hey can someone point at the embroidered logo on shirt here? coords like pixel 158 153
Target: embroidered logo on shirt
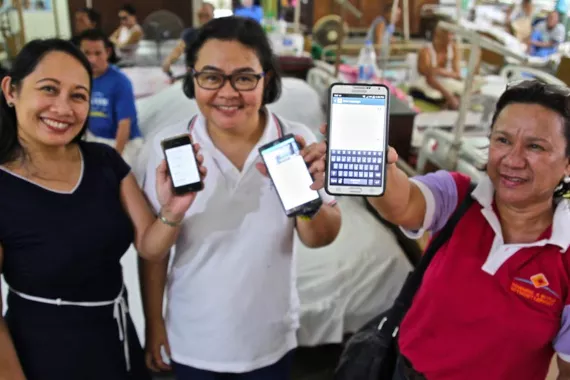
pixel 540 293
pixel 539 281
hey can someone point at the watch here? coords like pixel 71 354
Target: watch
pixel 308 214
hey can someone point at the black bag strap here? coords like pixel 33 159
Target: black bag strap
pixel 403 302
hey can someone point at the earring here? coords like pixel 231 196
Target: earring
pixel 10 104
pixel 566 179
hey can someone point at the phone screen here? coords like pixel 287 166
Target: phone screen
pixel 357 140
pixel 290 174
pixel 182 165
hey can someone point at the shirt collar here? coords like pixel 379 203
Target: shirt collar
pixel 271 132
pixel 484 194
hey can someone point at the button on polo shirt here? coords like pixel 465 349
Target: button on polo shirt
pixel 232 300
pixel 487 309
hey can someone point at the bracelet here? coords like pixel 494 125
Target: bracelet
pixel 168 222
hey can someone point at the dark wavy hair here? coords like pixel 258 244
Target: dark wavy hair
pixel 553 97
pixel 249 33
pixel 99 35
pixel 24 64
pixel 92 15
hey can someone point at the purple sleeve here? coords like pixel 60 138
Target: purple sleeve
pixel 562 340
pixel 441 198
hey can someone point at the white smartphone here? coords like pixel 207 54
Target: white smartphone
pixel 357 139
pixel 182 164
pixel 290 176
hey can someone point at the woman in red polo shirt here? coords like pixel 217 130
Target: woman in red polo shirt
pixel 495 301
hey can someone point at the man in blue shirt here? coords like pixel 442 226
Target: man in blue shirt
pixel 547 36
pixel 248 9
pixel 113 116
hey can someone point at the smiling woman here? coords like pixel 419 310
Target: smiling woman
pixel 70 210
pixel 505 269
pixel 233 280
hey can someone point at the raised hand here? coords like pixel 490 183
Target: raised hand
pixel 175 206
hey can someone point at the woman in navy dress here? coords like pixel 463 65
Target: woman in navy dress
pixel 68 212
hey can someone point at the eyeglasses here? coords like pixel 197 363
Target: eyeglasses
pixel 211 80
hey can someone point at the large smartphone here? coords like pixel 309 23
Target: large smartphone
pixel 290 176
pixel 182 164
pixel 357 136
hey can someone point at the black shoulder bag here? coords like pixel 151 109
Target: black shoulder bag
pixel 372 352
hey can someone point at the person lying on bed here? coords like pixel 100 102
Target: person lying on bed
pixel 232 299
pixel 438 65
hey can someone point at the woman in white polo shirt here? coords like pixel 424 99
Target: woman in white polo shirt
pixel 232 302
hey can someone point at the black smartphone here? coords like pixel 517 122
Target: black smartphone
pixel 358 118
pixel 290 176
pixel 182 164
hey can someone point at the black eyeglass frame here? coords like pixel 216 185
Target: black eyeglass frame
pixel 227 77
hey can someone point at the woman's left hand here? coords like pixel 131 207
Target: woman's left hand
pixel 314 156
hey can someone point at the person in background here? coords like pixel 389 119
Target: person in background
pixel 70 210
pixel 547 36
pixel 438 64
pixel 232 301
pixel 382 30
pixel 518 11
pixel 205 14
pixel 88 18
pixel 494 302
pixel 128 35
pixel 519 20
pixel 113 116
pixel 561 7
pixel 250 10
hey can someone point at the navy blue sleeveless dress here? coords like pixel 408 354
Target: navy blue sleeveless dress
pixel 67 246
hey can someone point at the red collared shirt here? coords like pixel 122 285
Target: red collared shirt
pixel 487 309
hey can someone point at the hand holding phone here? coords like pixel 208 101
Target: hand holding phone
pixel 290 175
pixel 314 156
pixel 357 137
pixel 179 176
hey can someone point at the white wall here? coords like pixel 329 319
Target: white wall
pixel 42 24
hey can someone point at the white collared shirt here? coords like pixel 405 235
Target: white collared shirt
pixel 232 300
pixel 441 194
